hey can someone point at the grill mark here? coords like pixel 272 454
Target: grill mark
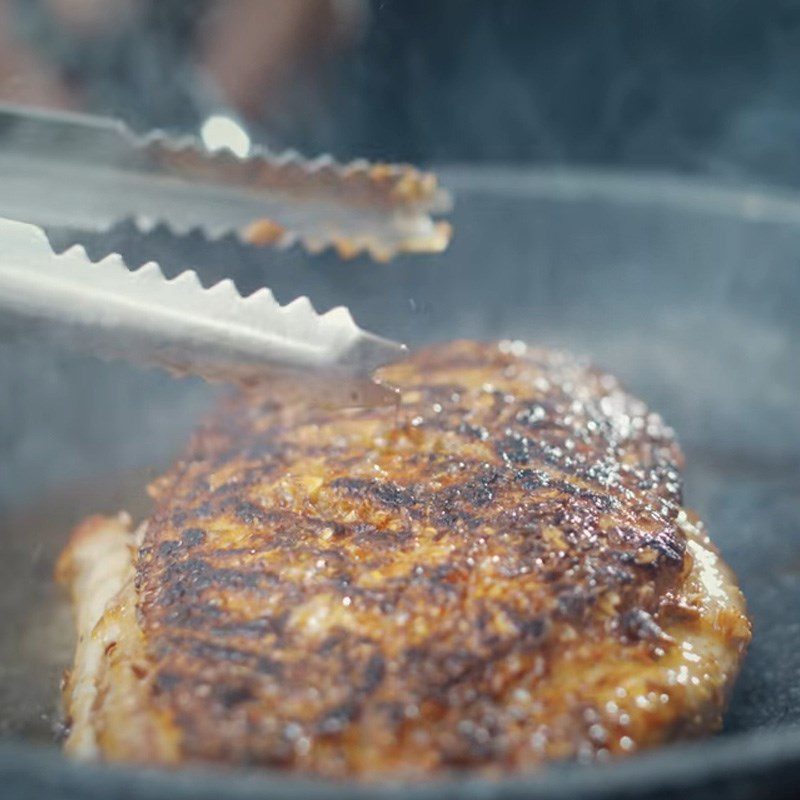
pixel 186 581
pixel 235 695
pixel 254 628
pixel 195 616
pixel 191 537
pixel 374 673
pixel 388 494
pixel 223 654
pixel 246 512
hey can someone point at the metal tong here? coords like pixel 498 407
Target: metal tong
pixel 111 311
pixel 88 173
pixel 53 176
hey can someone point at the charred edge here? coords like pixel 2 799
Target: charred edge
pixel 224 655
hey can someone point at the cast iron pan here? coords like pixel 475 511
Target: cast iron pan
pixel 689 292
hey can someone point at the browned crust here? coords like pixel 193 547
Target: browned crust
pixel 494 575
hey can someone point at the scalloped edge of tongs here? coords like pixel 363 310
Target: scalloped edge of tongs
pixel 379 208
pixel 108 309
pixel 71 170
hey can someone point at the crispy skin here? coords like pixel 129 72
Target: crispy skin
pixel 496 574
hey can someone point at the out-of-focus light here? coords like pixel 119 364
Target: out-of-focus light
pixel 220 132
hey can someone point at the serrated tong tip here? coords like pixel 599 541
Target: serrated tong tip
pixel 178 324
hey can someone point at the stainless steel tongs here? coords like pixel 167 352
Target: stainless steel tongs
pixel 178 324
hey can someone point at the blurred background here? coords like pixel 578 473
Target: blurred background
pixel 697 86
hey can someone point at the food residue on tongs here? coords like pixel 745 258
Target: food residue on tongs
pixel 89 173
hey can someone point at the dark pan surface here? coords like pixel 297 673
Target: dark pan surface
pixel 689 292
